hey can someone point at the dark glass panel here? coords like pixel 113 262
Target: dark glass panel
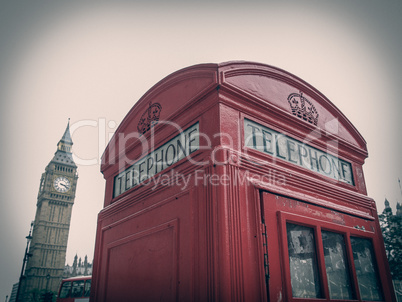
pixel 366 269
pixel 78 288
pixel 65 290
pixel 336 266
pixel 303 262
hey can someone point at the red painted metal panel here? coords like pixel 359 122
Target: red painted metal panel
pixel 142 263
pixel 195 231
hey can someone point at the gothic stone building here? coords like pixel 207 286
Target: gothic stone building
pixel 52 222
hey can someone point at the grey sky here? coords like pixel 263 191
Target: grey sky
pixel 91 61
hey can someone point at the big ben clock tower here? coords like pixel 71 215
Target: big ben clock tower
pixel 52 222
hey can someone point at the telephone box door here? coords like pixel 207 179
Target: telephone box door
pixel 312 252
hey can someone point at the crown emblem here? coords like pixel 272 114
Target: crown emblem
pixel 149 118
pixel 303 108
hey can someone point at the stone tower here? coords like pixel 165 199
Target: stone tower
pixel 52 223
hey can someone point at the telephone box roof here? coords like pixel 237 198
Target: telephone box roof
pixel 269 86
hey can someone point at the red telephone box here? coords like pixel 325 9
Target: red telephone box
pixel 237 182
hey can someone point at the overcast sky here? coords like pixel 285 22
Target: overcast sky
pixel 91 61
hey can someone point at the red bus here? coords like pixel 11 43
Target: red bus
pixel 75 289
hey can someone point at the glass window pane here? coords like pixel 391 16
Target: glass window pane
pixel 303 262
pixel 366 269
pixel 87 290
pixel 336 266
pixel 65 290
pixel 78 288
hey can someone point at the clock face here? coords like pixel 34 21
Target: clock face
pixel 61 184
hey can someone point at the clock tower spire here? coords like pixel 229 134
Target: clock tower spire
pixel 52 222
pixel 65 142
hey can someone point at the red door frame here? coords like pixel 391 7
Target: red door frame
pixel 277 210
